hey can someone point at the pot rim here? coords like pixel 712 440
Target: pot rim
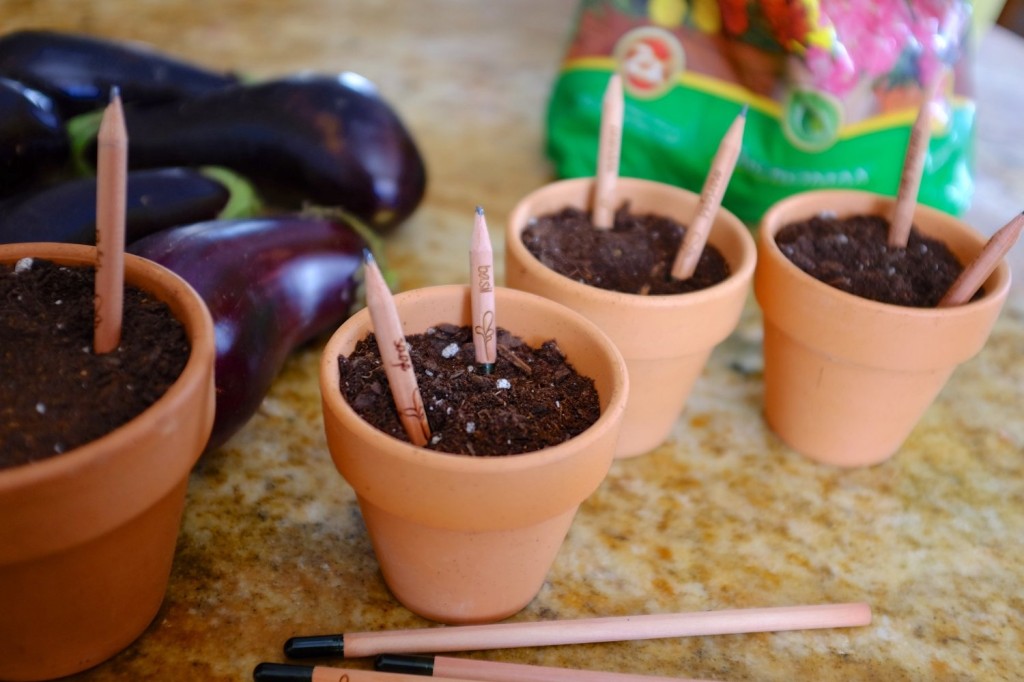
pixel 358 325
pixel 725 221
pixel 199 326
pixel 997 285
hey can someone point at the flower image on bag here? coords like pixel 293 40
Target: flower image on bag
pixel 833 87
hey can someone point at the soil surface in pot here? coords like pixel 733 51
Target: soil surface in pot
pixel 533 399
pixel 55 393
pixel 635 256
pixel 851 254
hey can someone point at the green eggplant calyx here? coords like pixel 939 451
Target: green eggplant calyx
pixel 243 199
pixel 82 130
pixel 373 240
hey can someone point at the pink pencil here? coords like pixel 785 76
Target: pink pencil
pixel 481 266
pixel 975 274
pixel 394 354
pixel 913 168
pixel 111 193
pixel 711 194
pixel 494 671
pixel 582 631
pixel 285 672
pixel 608 152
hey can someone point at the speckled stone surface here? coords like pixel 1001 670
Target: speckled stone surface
pixel 723 515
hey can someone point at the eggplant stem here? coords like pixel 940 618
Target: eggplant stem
pixel 82 130
pixel 243 199
pixel 373 240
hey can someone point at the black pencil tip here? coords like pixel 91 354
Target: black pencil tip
pixel 479 210
pixel 282 672
pixel 315 646
pixel 368 257
pixel 408 664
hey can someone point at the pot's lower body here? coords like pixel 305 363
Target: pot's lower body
pixel 457 576
pixel 72 610
pixel 659 389
pixel 837 412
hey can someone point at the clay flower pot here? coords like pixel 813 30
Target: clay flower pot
pixel 87 537
pixel 666 340
pixel 847 378
pixel 461 538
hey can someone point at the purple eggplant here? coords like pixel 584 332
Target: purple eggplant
pixel 325 140
pixel 156 200
pixel 33 143
pixel 271 284
pixel 78 71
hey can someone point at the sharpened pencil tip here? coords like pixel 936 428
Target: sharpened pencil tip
pixel 115 92
pixel 368 257
pixel 744 110
pixel 479 210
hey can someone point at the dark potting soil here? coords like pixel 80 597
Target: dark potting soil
pixel 533 399
pixel 55 393
pixel 635 256
pixel 851 254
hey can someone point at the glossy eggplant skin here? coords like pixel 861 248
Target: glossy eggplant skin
pixel 328 140
pixel 78 71
pixel 33 143
pixel 156 200
pixel 271 284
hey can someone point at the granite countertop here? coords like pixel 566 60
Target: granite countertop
pixel 722 515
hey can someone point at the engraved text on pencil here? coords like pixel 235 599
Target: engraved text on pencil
pixel 483 274
pixel 404 361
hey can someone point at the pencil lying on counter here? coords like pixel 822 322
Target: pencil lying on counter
pixel 289 672
pixel 582 631
pixel 446 667
pixel 481 671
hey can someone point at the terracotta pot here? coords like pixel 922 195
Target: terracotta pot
pixel 87 537
pixel 847 378
pixel 470 539
pixel 666 340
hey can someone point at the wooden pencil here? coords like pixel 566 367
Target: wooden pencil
pixel 913 168
pixel 111 198
pixel 608 155
pixel 394 354
pixel 974 275
pixel 710 201
pixel 481 265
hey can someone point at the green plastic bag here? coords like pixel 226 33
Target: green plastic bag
pixel 833 88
